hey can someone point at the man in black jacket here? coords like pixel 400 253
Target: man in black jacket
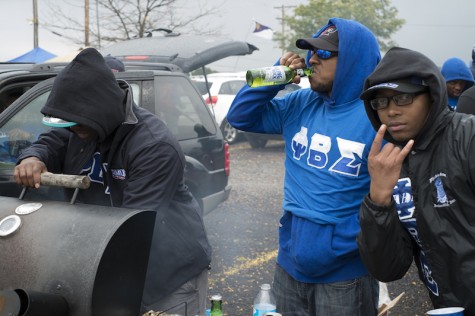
pixel 422 192
pixel 133 161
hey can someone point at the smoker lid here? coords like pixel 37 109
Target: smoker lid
pixel 9 224
pixel 28 208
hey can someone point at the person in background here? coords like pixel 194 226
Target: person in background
pixel 458 79
pixel 114 64
pixel 133 161
pixel 466 103
pixel 327 137
pixel 420 207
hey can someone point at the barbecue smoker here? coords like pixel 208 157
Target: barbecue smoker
pixel 62 259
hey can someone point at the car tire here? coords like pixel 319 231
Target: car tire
pixel 257 142
pixel 230 134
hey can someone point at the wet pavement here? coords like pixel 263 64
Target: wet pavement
pixel 243 234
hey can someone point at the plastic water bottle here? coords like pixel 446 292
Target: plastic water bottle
pixel 275 75
pixel 264 302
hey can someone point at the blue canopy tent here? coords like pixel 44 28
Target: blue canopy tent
pixel 36 55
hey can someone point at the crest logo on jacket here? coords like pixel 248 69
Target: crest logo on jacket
pixel 441 198
pixel 118 174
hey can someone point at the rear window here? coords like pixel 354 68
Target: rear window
pixel 201 85
pixel 182 108
pixel 231 87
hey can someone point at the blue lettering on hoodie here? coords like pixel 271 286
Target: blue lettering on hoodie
pixel 93 169
pixel 348 162
pixel 94 172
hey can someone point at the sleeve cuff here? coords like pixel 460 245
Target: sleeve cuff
pixel 378 208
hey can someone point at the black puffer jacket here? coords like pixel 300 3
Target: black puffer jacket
pixel 142 166
pixel 432 217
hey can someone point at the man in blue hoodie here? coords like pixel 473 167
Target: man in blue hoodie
pixel 328 136
pixel 458 78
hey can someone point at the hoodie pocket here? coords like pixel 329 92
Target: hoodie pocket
pixel 315 249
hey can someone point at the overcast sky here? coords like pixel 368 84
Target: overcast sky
pixel 438 28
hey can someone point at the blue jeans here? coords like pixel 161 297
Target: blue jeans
pixel 356 297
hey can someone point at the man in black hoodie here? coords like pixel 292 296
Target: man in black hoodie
pixel 422 193
pixel 133 161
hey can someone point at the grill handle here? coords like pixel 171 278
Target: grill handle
pixel 63 180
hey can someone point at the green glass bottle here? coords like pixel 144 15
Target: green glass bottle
pixel 269 76
pixel 216 305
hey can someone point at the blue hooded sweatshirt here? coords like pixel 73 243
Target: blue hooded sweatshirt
pixel 455 69
pixel 327 141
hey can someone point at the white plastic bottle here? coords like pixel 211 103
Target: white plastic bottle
pixel 264 302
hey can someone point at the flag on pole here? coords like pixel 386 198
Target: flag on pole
pixel 263 31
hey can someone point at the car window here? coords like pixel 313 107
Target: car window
pixel 201 85
pixel 25 126
pixel 143 93
pixel 178 105
pixel 10 94
pixel 21 130
pixel 136 92
pixel 182 109
pixel 231 87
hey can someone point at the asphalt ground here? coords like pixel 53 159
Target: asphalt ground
pixel 243 234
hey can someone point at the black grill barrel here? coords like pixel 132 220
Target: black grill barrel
pixel 92 256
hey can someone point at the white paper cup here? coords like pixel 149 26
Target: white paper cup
pixel 449 311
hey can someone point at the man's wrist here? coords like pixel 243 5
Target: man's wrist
pixel 378 206
pixel 380 196
pixel 382 201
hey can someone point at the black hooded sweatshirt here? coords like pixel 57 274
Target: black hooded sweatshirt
pixel 142 166
pixel 431 219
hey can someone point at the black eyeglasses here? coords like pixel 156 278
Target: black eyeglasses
pixel 324 54
pixel 399 99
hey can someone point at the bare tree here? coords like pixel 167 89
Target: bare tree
pixel 115 20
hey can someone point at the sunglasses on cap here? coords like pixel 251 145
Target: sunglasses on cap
pixel 323 54
pixel 399 99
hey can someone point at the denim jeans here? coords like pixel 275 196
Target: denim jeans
pixel 356 297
